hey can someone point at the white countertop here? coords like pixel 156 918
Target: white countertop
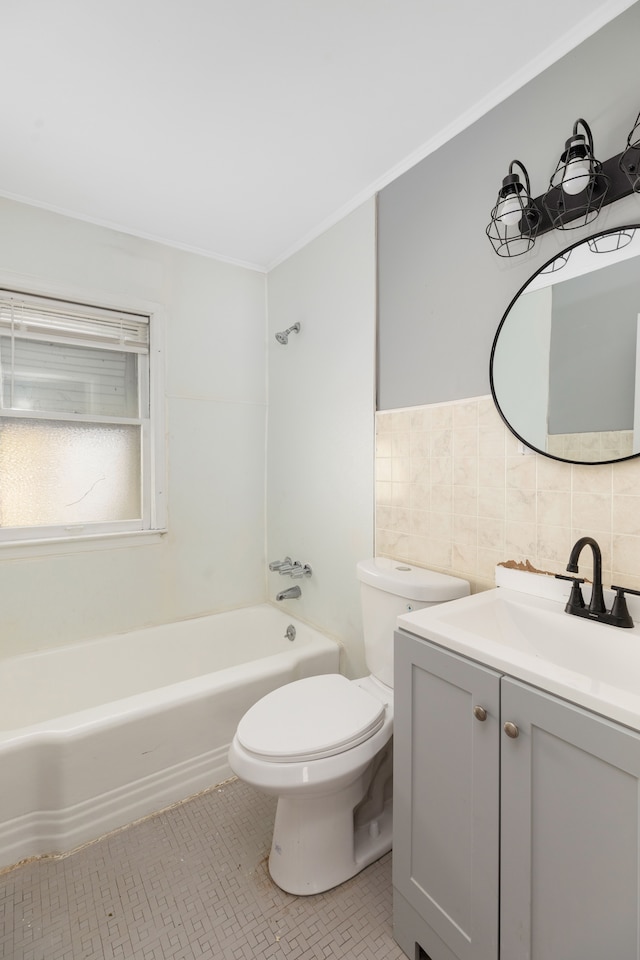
pixel 531 638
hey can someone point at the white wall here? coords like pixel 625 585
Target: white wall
pixel 213 556
pixel 320 449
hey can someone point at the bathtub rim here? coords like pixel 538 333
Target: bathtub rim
pixel 72 724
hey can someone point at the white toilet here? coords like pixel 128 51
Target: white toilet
pixel 323 745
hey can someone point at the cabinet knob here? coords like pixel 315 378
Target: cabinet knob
pixel 511 730
pixel 480 713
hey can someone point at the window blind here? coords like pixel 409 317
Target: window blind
pixel 67 359
pixel 55 320
pixel 64 379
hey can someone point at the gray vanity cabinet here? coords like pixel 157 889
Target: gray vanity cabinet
pixel 445 803
pixel 521 846
pixel 570 817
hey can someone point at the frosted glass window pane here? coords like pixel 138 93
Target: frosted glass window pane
pixel 58 378
pixel 65 473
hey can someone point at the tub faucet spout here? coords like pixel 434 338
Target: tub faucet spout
pixel 290 594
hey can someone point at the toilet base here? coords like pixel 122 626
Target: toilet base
pixel 315 846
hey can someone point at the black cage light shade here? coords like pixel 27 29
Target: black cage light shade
pixel 515 218
pixel 630 159
pixel 578 186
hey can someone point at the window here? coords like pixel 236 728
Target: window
pixel 78 452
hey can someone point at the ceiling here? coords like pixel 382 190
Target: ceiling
pixel 241 129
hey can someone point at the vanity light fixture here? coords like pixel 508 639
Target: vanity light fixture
pixel 578 187
pixel 630 159
pixel 515 218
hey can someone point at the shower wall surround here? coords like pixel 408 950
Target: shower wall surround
pixel 455 492
pixel 320 448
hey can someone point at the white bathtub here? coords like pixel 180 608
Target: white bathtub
pixel 97 734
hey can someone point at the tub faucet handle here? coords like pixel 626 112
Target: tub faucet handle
pixel 279 564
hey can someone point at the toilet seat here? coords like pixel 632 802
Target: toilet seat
pixel 310 719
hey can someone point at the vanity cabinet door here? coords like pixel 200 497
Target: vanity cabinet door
pixel 570 811
pixel 446 803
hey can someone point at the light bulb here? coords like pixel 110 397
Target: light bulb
pixel 511 209
pixel 577 175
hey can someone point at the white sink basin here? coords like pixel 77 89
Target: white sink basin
pixel 533 639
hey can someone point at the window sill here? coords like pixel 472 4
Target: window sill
pixel 55 546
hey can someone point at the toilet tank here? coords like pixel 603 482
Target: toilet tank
pixel 389 588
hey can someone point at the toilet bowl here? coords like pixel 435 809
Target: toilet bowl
pixel 324 745
pixel 320 776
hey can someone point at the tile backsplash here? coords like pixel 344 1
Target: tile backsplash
pixel 455 492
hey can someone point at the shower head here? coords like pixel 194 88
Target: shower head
pixel 283 336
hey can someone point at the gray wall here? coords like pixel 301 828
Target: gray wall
pixel 441 289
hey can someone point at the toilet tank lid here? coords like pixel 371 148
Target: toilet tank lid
pixel 414 583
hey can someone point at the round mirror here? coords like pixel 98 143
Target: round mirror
pixel 566 358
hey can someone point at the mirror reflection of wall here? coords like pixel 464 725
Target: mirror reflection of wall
pixel 564 362
pixel 592 351
pixel 521 366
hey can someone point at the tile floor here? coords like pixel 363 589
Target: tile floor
pixel 190 884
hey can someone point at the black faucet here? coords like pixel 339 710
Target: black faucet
pixel 619 615
pixel 597 604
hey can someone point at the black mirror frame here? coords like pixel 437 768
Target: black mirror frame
pixel 565 251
